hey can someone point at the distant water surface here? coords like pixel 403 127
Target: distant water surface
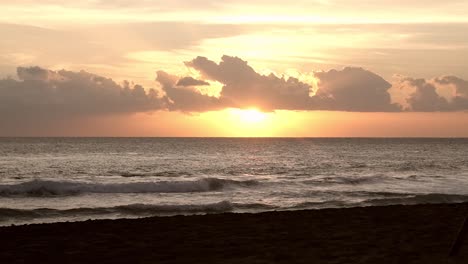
pixel 71 179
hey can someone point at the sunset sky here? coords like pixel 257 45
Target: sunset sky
pixel 324 68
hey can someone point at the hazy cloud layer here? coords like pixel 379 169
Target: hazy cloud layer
pixel 209 4
pixel 41 94
pixel 108 45
pixel 127 50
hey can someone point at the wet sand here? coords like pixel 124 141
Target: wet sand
pixel 388 234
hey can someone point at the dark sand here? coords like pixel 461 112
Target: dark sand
pixel 392 234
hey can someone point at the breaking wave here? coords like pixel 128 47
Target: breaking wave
pixel 350 180
pixel 66 188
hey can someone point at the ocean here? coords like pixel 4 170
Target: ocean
pixel 74 179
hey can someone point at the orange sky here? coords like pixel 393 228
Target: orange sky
pixel 282 124
pixel 371 68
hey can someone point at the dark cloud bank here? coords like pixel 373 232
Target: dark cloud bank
pixel 42 93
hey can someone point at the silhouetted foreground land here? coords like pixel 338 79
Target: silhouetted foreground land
pixel 392 234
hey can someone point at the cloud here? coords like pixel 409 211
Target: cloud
pixel 186 99
pixel 461 86
pixel 425 97
pixel 351 89
pixel 428 95
pixel 97 45
pixel 40 95
pixel 44 94
pixel 246 88
pixel 213 4
pixel 189 81
pixel 34 74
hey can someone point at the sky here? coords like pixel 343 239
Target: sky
pixel 195 68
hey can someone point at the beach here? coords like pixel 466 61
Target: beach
pixel 380 234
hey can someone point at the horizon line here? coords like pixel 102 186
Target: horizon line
pixel 241 137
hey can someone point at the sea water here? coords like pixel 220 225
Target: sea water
pixel 74 179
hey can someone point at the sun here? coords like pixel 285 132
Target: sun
pixel 252 122
pixel 249 115
pixel 247 122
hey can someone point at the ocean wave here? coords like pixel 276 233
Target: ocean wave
pixel 357 165
pixel 128 210
pixel 66 188
pixel 130 174
pixel 385 199
pixel 429 165
pixel 410 199
pixel 350 180
pixel 319 205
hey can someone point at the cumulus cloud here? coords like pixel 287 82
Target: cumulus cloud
pixel 428 95
pixel 190 81
pixel 34 73
pixel 425 97
pixel 185 99
pixel 351 89
pixel 41 93
pixel 246 88
pixel 461 86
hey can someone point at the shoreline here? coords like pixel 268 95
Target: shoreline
pixel 377 234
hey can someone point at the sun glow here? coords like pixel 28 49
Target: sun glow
pixel 249 115
pixel 250 122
